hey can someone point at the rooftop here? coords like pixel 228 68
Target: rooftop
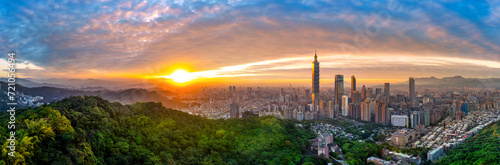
pixel 403 131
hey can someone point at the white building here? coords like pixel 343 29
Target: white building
pixel 399 120
pixel 345 105
pixel 435 154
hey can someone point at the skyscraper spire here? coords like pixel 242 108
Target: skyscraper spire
pixel 315 56
pixel 315 83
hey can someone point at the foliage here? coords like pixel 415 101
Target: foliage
pixel 355 153
pixel 90 130
pixel 483 148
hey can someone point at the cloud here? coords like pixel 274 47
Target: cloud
pixel 66 37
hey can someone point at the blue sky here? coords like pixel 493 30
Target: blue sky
pixel 371 39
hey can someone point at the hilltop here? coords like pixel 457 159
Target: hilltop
pixel 91 130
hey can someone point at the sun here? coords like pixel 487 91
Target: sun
pixel 180 76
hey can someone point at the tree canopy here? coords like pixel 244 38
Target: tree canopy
pixel 90 130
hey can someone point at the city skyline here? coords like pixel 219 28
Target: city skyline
pixel 247 42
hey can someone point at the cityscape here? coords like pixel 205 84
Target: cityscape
pixel 229 82
pixel 435 119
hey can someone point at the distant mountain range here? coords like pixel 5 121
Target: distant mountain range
pixel 450 82
pixel 83 84
pixel 458 81
pixel 125 96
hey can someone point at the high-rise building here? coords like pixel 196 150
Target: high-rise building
pixel 287 113
pixel 465 108
pixel 425 118
pixel 363 93
pixel 365 110
pixel 308 94
pixel 378 92
pixel 356 97
pixel 234 110
pixel 339 89
pixel 387 91
pixel 315 82
pixel 350 109
pixel 415 119
pixel 357 111
pixel 322 110
pixel 373 109
pixel 353 84
pixel 331 109
pixel 454 107
pixel 345 104
pixel 411 92
pixel 381 115
pixel 369 93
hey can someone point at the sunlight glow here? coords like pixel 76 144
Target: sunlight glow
pixel 180 76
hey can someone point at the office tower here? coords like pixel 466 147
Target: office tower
pixel 345 104
pixel 425 118
pixel 382 113
pixel 234 88
pixel 378 114
pixel 387 91
pixel 234 111
pixel 350 110
pixel 230 89
pixel 454 108
pixel 356 97
pixel 287 113
pixel 378 92
pixel 465 108
pixel 415 119
pixel 357 111
pixel 308 94
pixel 315 81
pixel 331 109
pixel 339 89
pixel 372 108
pixel 322 110
pixel 363 93
pixel 353 84
pixel 369 93
pixel 412 90
pixel 365 110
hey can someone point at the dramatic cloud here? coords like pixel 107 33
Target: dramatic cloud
pixel 256 39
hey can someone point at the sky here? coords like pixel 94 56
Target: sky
pixel 268 41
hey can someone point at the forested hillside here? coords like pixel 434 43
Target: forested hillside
pixel 90 130
pixel 484 148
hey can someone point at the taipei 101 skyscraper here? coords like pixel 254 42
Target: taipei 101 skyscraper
pixel 315 82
